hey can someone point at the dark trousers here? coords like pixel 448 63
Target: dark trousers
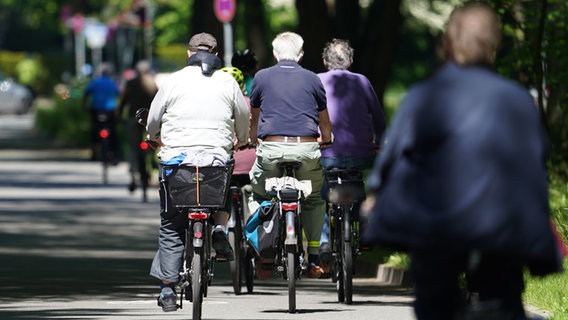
pixel 168 260
pixel 443 281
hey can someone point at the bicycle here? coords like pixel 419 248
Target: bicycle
pixel 346 191
pixel 197 192
pixel 105 133
pixel 289 248
pixel 142 153
pixel 144 156
pixel 243 263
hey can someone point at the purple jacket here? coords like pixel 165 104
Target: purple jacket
pixel 356 115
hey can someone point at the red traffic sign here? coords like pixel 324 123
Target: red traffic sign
pixel 225 10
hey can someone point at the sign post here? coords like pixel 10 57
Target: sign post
pixel 225 11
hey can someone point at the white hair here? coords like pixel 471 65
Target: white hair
pixel 288 46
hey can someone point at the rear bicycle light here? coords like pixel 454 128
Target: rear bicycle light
pixel 290 206
pixel 104 133
pixel 197 216
pixel 144 145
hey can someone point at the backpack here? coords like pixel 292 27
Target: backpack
pixel 263 229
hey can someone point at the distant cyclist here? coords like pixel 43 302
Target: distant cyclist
pixel 357 117
pixel 138 93
pixel 101 96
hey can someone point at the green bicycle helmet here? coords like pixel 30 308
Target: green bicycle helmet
pixel 237 75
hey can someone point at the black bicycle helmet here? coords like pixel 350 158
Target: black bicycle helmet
pixel 245 60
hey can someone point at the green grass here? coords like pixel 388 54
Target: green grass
pixel 549 294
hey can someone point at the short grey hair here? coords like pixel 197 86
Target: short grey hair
pixel 337 54
pixel 288 46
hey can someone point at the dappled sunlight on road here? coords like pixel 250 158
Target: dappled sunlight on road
pixel 63 233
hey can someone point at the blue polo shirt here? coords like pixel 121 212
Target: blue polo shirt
pixel 290 97
pixel 105 93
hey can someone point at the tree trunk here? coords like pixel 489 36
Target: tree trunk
pixel 315 27
pixel 256 31
pixel 375 46
pixel 375 51
pixel 204 20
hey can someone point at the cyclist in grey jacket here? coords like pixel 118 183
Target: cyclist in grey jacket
pixel 194 118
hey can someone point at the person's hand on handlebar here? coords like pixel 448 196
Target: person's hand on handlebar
pixel 154 143
pixel 243 146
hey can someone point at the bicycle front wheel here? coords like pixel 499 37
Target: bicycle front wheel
pixel 197 282
pixel 248 268
pixel 236 241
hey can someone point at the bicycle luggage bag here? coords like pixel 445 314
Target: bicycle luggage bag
pixel 262 230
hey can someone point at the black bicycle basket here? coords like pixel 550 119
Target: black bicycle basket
pixel 191 186
pixel 346 185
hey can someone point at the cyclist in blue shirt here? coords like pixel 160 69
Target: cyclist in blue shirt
pixel 101 97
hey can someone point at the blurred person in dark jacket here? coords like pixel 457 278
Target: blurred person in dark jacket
pixel 461 181
pixel 138 93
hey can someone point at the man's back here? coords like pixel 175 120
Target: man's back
pixel 104 93
pixel 467 148
pixel 201 112
pixel 138 93
pixel 355 112
pixel 290 97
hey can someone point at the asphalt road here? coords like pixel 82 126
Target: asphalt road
pixel 73 248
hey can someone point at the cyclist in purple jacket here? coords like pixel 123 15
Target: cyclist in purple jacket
pixel 357 118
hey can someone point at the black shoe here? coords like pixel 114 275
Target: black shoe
pixel 168 301
pixel 223 250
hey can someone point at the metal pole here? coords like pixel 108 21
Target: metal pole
pixel 228 40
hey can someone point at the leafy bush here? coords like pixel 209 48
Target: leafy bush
pixel 64 120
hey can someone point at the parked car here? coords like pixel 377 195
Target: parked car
pixel 14 97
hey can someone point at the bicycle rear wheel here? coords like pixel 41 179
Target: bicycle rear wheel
pixel 338 261
pixel 291 263
pixel 347 258
pixel 104 159
pixel 197 282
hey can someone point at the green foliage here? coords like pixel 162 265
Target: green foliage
pixel 171 23
pixel 281 18
pixel 8 62
pixel 65 120
pixel 171 57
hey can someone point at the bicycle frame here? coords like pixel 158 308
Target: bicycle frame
pixel 346 189
pixel 197 192
pixel 243 257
